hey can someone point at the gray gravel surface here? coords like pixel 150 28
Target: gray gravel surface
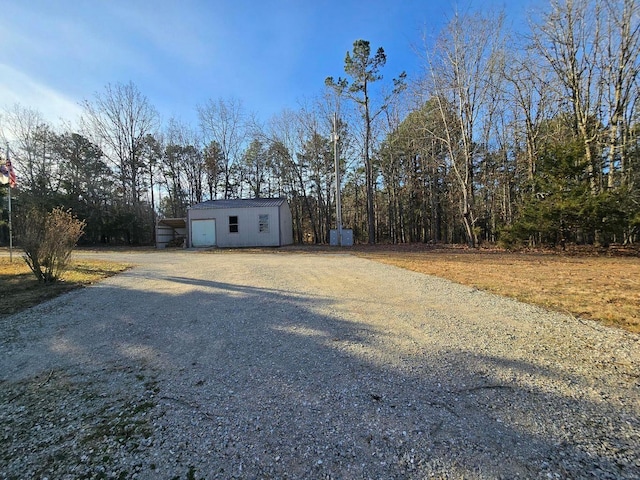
pixel 242 365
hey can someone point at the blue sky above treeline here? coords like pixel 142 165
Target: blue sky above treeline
pixel 272 55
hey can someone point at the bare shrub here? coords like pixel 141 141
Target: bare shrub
pixel 48 240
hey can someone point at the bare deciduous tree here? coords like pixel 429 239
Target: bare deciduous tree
pixel 569 38
pixel 620 69
pixel 121 117
pixel 531 94
pixel 225 123
pixel 31 139
pixel 463 74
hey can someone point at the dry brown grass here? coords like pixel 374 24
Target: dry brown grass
pixel 20 288
pixel 596 287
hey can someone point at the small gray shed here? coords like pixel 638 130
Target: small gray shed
pixel 171 232
pixel 256 222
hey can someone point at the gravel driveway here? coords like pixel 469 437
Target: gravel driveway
pixel 292 365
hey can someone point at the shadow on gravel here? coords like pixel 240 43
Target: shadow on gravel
pixel 254 383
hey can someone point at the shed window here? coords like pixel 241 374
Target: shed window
pixel 263 223
pixel 233 224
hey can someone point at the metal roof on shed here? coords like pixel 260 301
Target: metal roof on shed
pixel 240 203
pixel 173 222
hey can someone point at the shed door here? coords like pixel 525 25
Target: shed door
pixel 203 233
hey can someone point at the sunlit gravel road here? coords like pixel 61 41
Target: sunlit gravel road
pixel 293 365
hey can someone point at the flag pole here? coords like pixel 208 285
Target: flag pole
pixel 335 138
pixel 10 230
pixel 10 225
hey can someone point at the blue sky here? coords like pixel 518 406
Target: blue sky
pixel 269 54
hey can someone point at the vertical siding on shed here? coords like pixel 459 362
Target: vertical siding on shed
pixel 286 225
pixel 248 234
pixel 165 234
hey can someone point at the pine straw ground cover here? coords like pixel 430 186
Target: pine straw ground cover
pixel 20 288
pixel 602 286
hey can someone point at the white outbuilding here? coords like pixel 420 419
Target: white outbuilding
pixel 256 222
pixel 171 232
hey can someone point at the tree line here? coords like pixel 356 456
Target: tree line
pixel 519 138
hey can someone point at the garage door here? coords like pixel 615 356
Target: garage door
pixel 203 233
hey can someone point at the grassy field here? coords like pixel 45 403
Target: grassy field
pixel 597 287
pixel 20 288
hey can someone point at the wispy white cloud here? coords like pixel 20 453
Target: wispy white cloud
pixel 267 53
pixel 19 88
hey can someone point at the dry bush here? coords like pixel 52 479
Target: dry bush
pixel 48 240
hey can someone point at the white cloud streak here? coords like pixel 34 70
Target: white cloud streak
pixel 19 88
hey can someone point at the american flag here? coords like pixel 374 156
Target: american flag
pixel 7 175
pixel 12 174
